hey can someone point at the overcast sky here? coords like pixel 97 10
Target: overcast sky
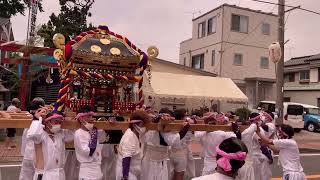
pixel 165 23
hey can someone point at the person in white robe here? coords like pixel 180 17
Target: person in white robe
pixel 109 151
pixel 27 146
pixel 211 141
pixel 87 147
pixel 267 160
pixel 156 151
pixel 231 149
pixel 179 152
pixel 50 141
pixel 247 172
pixel 288 150
pixel 130 150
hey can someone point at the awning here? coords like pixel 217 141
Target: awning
pixel 192 86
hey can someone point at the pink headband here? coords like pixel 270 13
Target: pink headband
pixel 220 117
pixel 224 161
pixel 54 116
pixel 268 117
pixel 135 121
pixel 282 132
pixel 255 119
pixel 79 115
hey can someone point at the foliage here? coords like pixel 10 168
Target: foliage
pixel 243 113
pixel 71 21
pixel 11 8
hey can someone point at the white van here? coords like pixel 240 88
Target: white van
pixel 292 113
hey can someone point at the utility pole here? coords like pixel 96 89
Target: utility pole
pixel 279 75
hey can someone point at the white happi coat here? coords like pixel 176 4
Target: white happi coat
pixel 180 155
pixel 28 153
pixel 90 166
pixel 289 157
pixel 265 165
pixel 130 146
pixel 53 150
pixel 246 172
pixel 154 162
pixel 214 176
pixel 210 141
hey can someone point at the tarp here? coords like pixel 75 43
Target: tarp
pixel 192 86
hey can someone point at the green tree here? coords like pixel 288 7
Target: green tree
pixel 71 21
pixel 11 8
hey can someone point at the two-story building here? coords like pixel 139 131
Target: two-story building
pixel 232 41
pixel 302 80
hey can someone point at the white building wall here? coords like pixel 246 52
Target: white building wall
pixel 314 75
pixel 305 97
pixel 251 63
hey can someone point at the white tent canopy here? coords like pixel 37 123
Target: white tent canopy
pixel 192 86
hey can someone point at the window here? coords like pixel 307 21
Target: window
pixel 304 75
pixel 265 28
pixel 198 61
pixel 211 25
pixel 289 77
pixel 213 58
pixel 286 99
pixel 201 29
pixel 264 63
pixel 184 61
pixel 237 60
pixel 239 23
pixel 295 110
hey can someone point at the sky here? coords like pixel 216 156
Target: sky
pixel 165 23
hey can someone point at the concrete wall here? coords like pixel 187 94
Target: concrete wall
pixel 250 63
pixel 305 97
pixel 314 75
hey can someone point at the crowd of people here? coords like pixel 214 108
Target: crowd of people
pixel 143 154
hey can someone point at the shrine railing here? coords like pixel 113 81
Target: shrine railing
pixel 75 104
pixel 124 106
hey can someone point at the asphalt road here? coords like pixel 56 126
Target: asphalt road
pixel 310 163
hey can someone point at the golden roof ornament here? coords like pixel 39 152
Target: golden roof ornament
pixel 95 48
pixel 115 51
pixel 59 40
pixel 153 51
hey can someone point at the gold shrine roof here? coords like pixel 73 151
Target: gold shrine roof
pixel 104 49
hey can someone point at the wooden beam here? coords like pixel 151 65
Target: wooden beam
pixel 23 120
pixel 25 123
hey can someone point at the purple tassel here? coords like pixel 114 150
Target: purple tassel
pixel 125 167
pixel 93 141
pixel 184 131
pixel 266 152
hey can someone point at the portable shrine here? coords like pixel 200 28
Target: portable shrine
pixel 102 69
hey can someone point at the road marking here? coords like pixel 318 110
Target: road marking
pixel 305 155
pixel 301 155
pixel 308 177
pixel 10 165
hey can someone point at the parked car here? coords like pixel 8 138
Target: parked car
pixel 311 118
pixel 293 113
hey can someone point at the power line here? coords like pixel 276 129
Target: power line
pixel 303 9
